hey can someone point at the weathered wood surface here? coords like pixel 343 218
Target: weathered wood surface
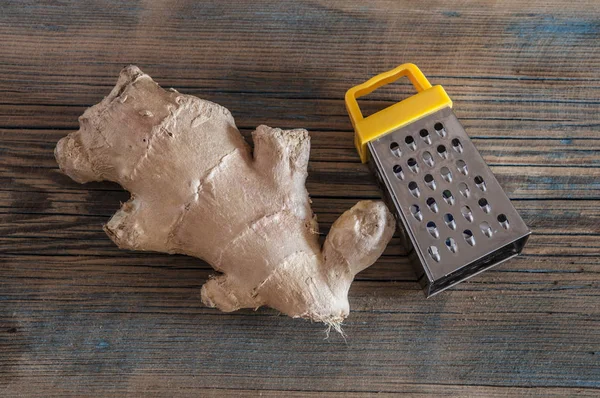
pixel 80 317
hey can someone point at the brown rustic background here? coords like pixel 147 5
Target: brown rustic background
pixel 80 317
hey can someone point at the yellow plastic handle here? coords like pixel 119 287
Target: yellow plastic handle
pixel 414 74
pixel 426 101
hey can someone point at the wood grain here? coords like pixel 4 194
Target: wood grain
pixel 79 317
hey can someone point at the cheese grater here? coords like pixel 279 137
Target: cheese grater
pixel 455 218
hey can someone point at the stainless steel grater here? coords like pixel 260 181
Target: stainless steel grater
pixel 455 218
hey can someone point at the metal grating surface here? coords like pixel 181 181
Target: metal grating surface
pixel 453 210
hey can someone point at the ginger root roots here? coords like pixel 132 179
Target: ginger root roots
pixel 198 189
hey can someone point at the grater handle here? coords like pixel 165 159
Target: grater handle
pixel 414 74
pixel 426 101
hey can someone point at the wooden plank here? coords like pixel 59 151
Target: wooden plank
pixel 155 389
pixel 463 334
pixel 410 391
pixel 356 181
pixel 542 266
pixel 328 31
pixel 568 94
pixel 76 239
pixel 558 120
pixel 66 218
pixel 88 88
pixel 18 147
pixel 542 216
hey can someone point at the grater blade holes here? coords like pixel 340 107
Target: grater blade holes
pixel 448 197
pixel 449 220
pixel 467 213
pixel 464 189
pixel 451 245
pixel 428 159
pixel 416 212
pixel 439 128
pixel 462 166
pixel 484 204
pixel 503 221
pixel 457 145
pixel 446 174
pixel 432 205
pixel 425 136
pixel 395 148
pixel 441 150
pixel 434 253
pixel 397 169
pixel 480 245
pixel 410 142
pixel 412 165
pixel 486 229
pixel 429 181
pixel 414 189
pixel 433 230
pixel 469 238
pixel 480 183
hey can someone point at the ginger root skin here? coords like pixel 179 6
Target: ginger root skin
pixel 198 189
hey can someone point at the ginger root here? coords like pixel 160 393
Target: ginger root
pixel 198 189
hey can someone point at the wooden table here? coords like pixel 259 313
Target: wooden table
pixel 79 317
